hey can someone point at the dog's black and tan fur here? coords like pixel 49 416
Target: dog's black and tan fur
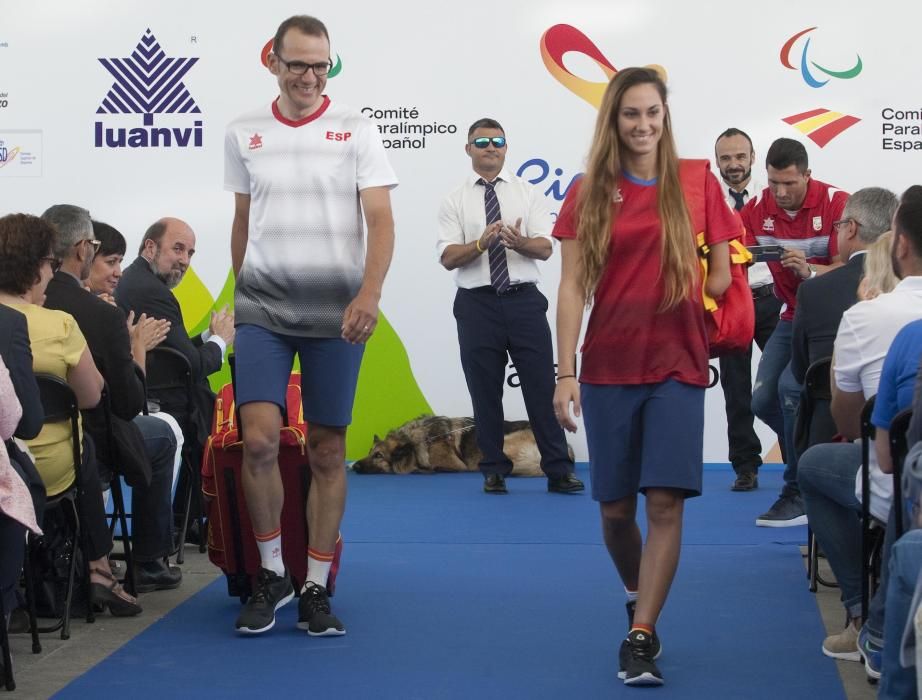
pixel 442 444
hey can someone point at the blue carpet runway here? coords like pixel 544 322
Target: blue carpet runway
pixel 449 593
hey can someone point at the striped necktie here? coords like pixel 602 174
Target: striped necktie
pixel 499 269
pixel 738 198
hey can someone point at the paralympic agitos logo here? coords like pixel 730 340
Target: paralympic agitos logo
pixel 805 63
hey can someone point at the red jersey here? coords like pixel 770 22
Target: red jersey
pixel 628 340
pixel 810 231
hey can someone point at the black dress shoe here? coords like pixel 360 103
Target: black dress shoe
pixel 156 575
pixel 745 481
pixel 494 483
pixel 567 483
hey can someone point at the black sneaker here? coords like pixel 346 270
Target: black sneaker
pixel 787 511
pixel 624 653
pixel 314 613
pixel 639 668
pixel 272 592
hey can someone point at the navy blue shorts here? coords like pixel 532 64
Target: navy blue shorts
pixel 643 436
pixel 329 372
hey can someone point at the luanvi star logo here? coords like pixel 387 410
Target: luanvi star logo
pixel 148 82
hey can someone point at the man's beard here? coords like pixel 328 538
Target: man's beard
pixel 736 178
pixel 172 278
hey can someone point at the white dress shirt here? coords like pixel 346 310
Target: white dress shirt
pixel 463 218
pixel 759 274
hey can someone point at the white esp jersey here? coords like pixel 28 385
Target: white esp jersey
pixel 305 253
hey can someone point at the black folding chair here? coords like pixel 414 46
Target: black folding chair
pixel 169 382
pixel 60 405
pixel 872 530
pixel 898 451
pixel 814 425
pixel 119 513
pixel 8 681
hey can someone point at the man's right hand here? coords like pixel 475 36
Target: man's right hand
pixel 489 233
pixel 222 325
pixel 148 332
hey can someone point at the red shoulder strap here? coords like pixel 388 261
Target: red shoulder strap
pixel 693 176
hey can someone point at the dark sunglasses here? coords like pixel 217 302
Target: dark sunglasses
pixel 484 141
pixel 54 262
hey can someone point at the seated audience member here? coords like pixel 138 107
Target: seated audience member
pixel 145 287
pixel 22 493
pixel 17 355
pixel 905 576
pixel 17 513
pixel 878 277
pixel 58 347
pixel 145 444
pixel 829 473
pixel 106 270
pixel 822 301
pixel 105 274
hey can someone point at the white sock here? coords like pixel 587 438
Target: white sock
pixel 318 568
pixel 270 551
pixel 631 596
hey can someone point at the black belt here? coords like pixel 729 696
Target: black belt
pixel 511 289
pixel 765 290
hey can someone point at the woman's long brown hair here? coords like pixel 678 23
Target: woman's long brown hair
pixel 678 264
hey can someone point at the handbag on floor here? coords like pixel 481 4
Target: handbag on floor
pixel 231 543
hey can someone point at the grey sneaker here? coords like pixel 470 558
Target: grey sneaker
pixel 272 592
pixel 624 652
pixel 314 614
pixel 787 511
pixel 640 669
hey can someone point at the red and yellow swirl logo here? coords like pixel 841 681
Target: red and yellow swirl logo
pixel 562 39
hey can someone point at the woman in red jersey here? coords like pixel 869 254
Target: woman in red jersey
pixel 628 231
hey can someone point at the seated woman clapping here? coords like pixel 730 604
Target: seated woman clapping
pixel 58 348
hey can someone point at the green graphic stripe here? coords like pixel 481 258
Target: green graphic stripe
pixel 387 394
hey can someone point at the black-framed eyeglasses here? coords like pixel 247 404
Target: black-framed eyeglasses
pixel 838 223
pixel 484 141
pixel 54 262
pixel 300 68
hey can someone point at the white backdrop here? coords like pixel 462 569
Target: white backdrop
pixel 448 65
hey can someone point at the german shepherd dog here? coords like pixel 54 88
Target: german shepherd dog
pixel 439 444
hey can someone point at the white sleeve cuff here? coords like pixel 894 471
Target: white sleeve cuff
pixel 217 340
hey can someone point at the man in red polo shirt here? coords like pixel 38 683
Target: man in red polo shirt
pixel 796 212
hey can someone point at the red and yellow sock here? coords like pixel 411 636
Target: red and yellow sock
pixel 318 566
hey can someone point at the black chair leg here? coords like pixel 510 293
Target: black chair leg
pixel 180 555
pixel 71 575
pixel 8 682
pixel 30 598
pixel 118 505
pixel 812 560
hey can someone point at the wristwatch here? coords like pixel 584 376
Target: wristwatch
pixel 812 269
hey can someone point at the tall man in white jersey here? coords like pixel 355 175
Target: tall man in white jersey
pixel 303 171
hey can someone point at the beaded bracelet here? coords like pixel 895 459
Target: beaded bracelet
pixel 566 376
